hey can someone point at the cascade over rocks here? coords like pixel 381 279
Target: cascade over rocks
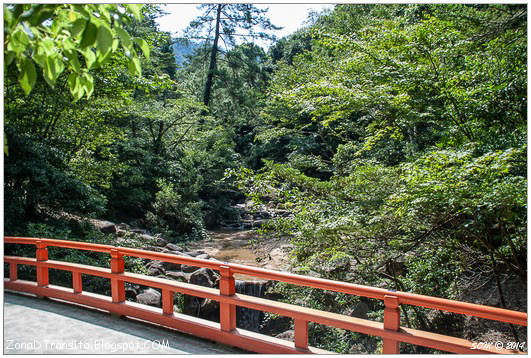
pixel 200 307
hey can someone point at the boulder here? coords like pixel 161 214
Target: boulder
pixel 123 226
pixel 195 253
pixel 155 268
pixel 106 227
pixel 152 248
pixel 153 239
pixel 179 253
pixel 131 291
pixel 150 297
pixel 159 241
pixel 139 231
pixel 171 266
pixel 121 233
pixel 203 256
pixel 188 269
pixel 203 277
pixel 178 276
pixel 288 335
pixel 173 247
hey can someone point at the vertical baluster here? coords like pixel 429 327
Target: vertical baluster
pixel 42 272
pixel 301 333
pixel 167 302
pixel 12 271
pixel 77 282
pixel 227 311
pixel 117 285
pixel 391 322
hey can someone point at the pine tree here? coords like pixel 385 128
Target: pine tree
pixel 229 22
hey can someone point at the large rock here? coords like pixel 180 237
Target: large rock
pixel 123 226
pixel 178 276
pixel 195 253
pixel 173 252
pixel 152 248
pixel 155 268
pixel 287 335
pixel 131 291
pixel 173 247
pixel 203 277
pixel 106 227
pixel 153 239
pixel 150 297
pixel 188 269
pixel 171 266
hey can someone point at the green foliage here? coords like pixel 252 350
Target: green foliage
pixel 173 213
pixel 59 37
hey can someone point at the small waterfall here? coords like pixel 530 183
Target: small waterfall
pixel 247 318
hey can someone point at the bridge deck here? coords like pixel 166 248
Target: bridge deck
pixel 38 326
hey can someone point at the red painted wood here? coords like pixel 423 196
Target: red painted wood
pixel 117 285
pixel 301 333
pixel 77 282
pixel 391 322
pixel 226 332
pixel 167 301
pixel 198 327
pixel 41 255
pixel 227 312
pixel 13 271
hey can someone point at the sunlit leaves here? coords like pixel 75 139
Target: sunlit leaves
pixel 27 75
pixel 143 46
pixel 54 46
pixel 134 66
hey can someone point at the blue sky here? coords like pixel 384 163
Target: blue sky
pixel 290 16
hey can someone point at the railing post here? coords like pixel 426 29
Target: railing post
pixel 227 312
pixel 301 333
pixel 42 272
pixel 117 285
pixel 167 302
pixel 77 282
pixel 391 322
pixel 12 271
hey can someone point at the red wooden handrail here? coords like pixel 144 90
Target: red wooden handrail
pixel 226 331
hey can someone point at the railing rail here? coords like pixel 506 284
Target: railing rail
pixel 226 331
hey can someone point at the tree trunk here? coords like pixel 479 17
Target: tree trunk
pixel 213 56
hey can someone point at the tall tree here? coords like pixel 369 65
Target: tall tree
pixel 228 22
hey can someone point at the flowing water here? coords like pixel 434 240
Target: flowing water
pixel 235 246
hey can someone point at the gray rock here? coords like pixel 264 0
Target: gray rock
pixel 152 248
pixel 155 268
pixel 123 226
pixel 202 277
pixel 188 269
pixel 195 253
pixel 150 297
pixel 287 335
pixel 106 227
pixel 171 266
pixel 179 253
pixel 139 231
pixel 203 256
pixel 121 233
pixel 178 276
pixel 159 241
pixel 173 247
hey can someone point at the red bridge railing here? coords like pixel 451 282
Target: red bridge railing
pixel 226 331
